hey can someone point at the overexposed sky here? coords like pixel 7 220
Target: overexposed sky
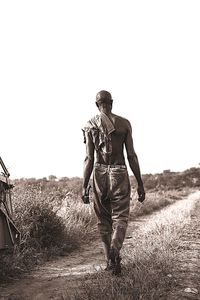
pixel 56 55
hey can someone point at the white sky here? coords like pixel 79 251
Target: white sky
pixel 56 55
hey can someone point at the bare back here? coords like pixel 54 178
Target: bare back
pixel 120 137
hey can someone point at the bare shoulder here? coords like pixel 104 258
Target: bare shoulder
pixel 122 121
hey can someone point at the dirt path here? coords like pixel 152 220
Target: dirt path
pixel 187 270
pixel 53 279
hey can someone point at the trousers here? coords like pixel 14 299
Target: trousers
pixel 111 187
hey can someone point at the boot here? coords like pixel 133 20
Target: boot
pixel 115 262
pixel 109 266
pixel 106 241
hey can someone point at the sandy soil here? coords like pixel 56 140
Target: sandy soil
pixel 56 278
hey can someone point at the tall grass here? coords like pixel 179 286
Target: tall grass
pixel 53 220
pixel 51 223
pixel 79 219
pixel 155 200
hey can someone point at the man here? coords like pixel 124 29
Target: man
pixel 105 136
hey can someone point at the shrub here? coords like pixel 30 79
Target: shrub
pixel 45 228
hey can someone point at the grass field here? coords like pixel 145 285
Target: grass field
pixel 53 220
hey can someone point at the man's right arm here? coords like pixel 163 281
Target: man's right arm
pixel 88 162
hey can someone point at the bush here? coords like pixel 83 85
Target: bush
pixel 43 234
pixel 45 228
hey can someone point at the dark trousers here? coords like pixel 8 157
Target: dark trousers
pixel 111 188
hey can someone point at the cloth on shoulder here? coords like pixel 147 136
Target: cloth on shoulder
pixel 101 128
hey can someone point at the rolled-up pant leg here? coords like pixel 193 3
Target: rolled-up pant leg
pixel 120 205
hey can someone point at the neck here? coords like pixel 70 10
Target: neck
pixel 108 113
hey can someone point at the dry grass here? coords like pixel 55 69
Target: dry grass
pixel 79 219
pixel 148 260
pixel 155 200
pixel 53 220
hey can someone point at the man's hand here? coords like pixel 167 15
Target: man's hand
pixel 85 195
pixel 141 193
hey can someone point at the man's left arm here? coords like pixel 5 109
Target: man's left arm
pixel 134 163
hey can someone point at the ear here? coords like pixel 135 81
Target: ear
pixel 97 106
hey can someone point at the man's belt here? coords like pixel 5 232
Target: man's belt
pixel 110 166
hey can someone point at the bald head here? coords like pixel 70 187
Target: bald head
pixel 103 97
